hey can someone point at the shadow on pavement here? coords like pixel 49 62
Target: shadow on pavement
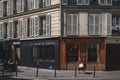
pixel 8 77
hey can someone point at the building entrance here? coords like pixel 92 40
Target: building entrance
pixel 112 57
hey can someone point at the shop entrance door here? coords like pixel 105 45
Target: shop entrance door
pixel 112 57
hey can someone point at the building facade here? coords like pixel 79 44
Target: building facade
pixel 57 32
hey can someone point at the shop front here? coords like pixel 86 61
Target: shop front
pixel 91 50
pixel 45 50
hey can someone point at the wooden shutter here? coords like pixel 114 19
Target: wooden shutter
pixel 1 30
pixel 75 24
pixel 1 8
pixel 91 24
pixel 36 26
pixel 31 27
pixel 48 25
pixel 109 24
pixel 64 2
pixel 97 24
pixel 25 30
pixel 36 4
pixel 69 24
pixel 19 28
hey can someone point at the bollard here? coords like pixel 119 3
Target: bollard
pixel 75 71
pixel 55 72
pixel 16 68
pixel 94 72
pixel 37 68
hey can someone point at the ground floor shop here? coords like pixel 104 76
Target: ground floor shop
pixel 45 50
pixel 91 50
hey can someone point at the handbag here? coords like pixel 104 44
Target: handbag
pixel 81 65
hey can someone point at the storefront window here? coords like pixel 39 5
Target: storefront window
pixel 93 53
pixel 71 53
pixel 43 53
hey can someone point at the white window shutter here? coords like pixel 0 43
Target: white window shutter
pixel 36 26
pixel 1 30
pixel 75 25
pixel 48 24
pixel 25 32
pixel 36 4
pixel 64 2
pixel 1 8
pixel 48 2
pixel 19 28
pixel 91 24
pixel 97 24
pixel 69 24
pixel 109 24
pixel 22 5
pixel 31 27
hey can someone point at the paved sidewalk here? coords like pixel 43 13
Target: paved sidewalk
pixel 27 73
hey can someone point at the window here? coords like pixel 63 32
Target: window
pixel 72 24
pixel 19 28
pixel 36 26
pixel 45 3
pixel 43 21
pixel 31 27
pixel 19 6
pixel 44 53
pixel 105 2
pixel 36 4
pixel 9 7
pixel 29 4
pixel 83 2
pixel 71 53
pixel 94 24
pixel 26 27
pixel 1 30
pixel 93 53
pixel 94 2
pixel 10 29
pixel 116 25
pixel 72 1
pixel 64 2
pixel 1 9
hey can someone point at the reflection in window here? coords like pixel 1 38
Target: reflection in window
pixel 43 53
pixel 93 53
pixel 116 25
pixel 71 53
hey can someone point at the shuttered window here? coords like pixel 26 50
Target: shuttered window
pixel 19 6
pixel 1 9
pixel 48 25
pixel 72 24
pixel 36 26
pixel 94 24
pixel 19 29
pixel 26 29
pixel 36 4
pixel 10 30
pixel 9 7
pixel 109 24
pixel 1 30
pixel 105 2
pixel 83 2
pixel 31 27
pixel 29 4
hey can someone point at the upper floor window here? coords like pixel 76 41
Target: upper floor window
pixel 9 7
pixel 78 2
pixel 1 8
pixel 116 25
pixel 45 3
pixel 10 29
pixel 19 28
pixel 96 2
pixel 72 24
pixel 1 30
pixel 94 24
pixel 19 6
pixel 105 2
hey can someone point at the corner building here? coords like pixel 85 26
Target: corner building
pixel 57 32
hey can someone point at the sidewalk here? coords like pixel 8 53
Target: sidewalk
pixel 27 73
